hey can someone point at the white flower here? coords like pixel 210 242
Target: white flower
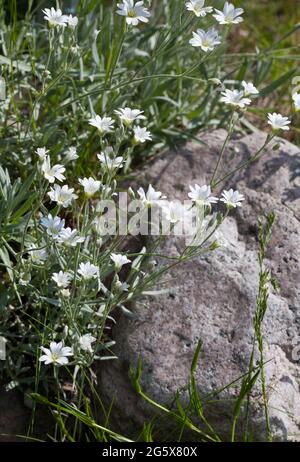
pixel 42 153
pixel 278 122
pixel 72 21
pixel 85 342
pixel 128 116
pixel 205 40
pixel 37 255
pixel 202 195
pixel 103 124
pixel 229 15
pixel 173 211
pixel 134 12
pixel 57 354
pixel 90 185
pixel 249 88
pixel 141 135
pixel 88 271
pixel 54 225
pixel 296 99
pixel 55 17
pixel 151 197
pixel 235 98
pixel 197 7
pixel 52 173
pixel 70 237
pixel 62 279
pixel 110 162
pixel 71 154
pixel 62 195
pixel 119 260
pixel 232 198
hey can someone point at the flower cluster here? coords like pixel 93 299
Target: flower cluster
pixel 85 276
pixel 55 18
pixel 127 117
pixel 135 12
pixel 60 240
pixel 240 99
pixel 200 195
pixel 176 212
pixel 208 40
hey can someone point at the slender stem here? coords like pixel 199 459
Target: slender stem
pixel 255 157
pixel 230 131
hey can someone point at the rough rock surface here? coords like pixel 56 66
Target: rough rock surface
pixel 213 297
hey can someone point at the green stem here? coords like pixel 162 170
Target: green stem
pixel 255 157
pixel 230 131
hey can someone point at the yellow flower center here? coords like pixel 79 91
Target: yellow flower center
pixel 131 14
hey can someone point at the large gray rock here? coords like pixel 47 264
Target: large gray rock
pixel 213 297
